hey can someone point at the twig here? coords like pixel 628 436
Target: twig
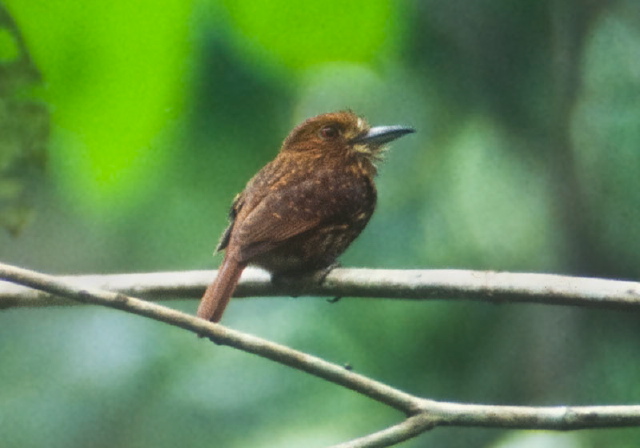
pixel 423 414
pixel 408 429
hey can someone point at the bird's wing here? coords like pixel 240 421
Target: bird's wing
pixel 238 202
pixel 293 209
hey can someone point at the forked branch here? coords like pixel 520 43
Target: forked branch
pixel 422 414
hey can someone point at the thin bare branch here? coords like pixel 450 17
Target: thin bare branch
pixel 489 286
pixel 219 334
pixel 408 429
pixel 423 414
pixel 524 417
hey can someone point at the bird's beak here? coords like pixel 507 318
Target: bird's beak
pixel 381 135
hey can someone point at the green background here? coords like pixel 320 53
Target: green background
pixel 526 159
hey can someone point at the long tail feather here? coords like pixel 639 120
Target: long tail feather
pixel 216 297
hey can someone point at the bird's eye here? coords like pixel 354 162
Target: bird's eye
pixel 329 132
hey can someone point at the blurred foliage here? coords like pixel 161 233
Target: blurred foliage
pixel 24 127
pixel 526 159
pixel 115 75
pixel 312 33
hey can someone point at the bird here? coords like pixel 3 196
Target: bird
pixel 302 210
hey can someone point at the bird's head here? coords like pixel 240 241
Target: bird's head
pixel 342 133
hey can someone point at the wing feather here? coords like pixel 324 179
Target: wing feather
pixel 297 206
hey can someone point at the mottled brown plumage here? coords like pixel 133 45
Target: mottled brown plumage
pixel 303 209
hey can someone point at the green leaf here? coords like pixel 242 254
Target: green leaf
pixel 115 79
pixel 301 34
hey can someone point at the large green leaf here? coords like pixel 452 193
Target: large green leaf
pixel 302 34
pixel 114 73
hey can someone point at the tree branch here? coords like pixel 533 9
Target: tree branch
pixel 489 286
pixel 408 429
pixel 217 333
pixel 423 414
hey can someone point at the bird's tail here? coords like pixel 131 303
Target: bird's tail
pixel 216 297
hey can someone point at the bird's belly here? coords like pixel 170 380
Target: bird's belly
pixel 310 251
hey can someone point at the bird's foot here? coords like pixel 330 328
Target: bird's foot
pixel 300 282
pixel 320 275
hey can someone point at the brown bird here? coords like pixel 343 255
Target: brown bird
pixel 303 209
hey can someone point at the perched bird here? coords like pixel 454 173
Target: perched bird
pixel 303 209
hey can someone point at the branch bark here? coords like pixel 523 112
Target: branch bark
pixel 422 414
pixel 489 286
